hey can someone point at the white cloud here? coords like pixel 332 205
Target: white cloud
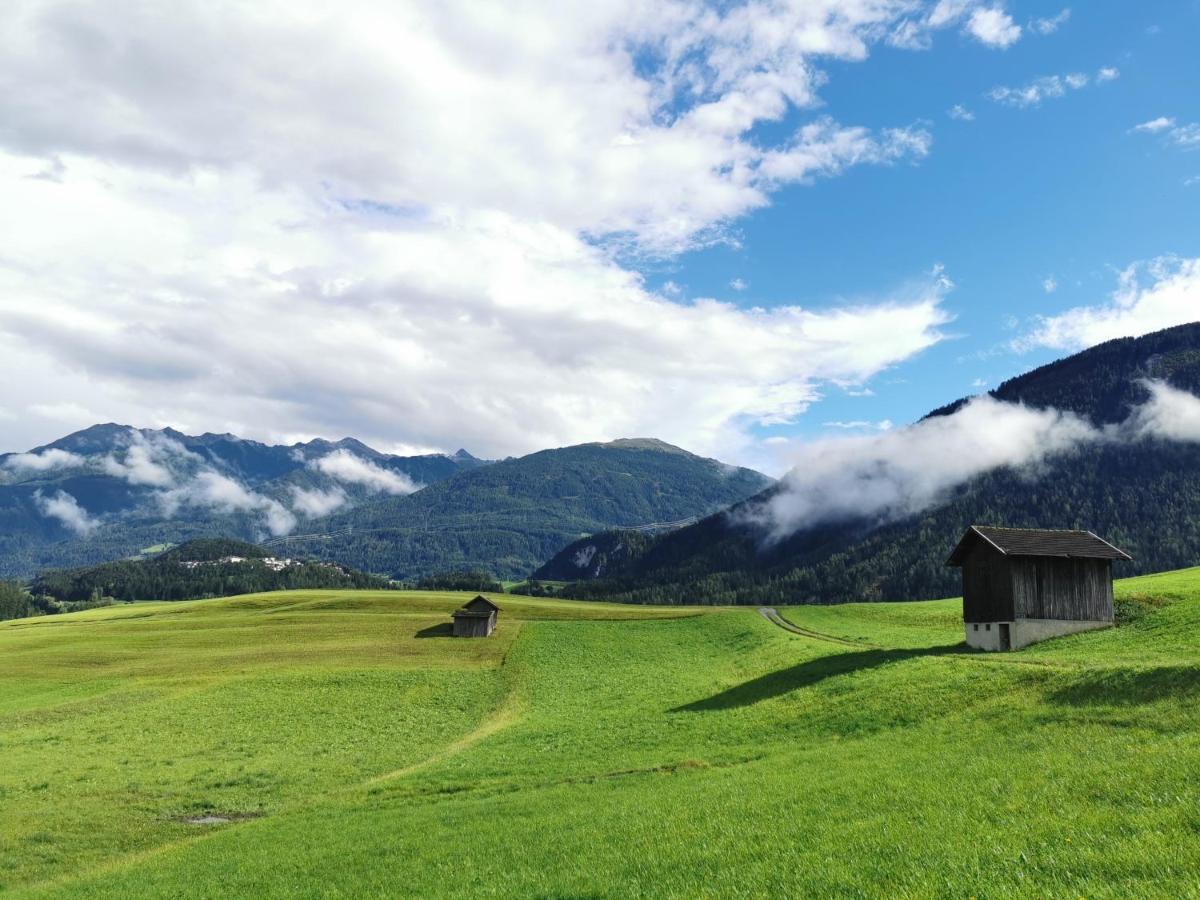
pixel 894 474
pixel 994 27
pixel 211 490
pixel 1033 93
pixel 1050 24
pixel 45 461
pixel 146 460
pixel 1151 296
pixel 345 466
pixel 66 509
pixel 1050 284
pixel 979 383
pixel 961 113
pixel 1170 414
pixel 278 220
pixel 738 285
pixel 1162 123
pixel 317 503
pixel 1186 136
pixel 886 477
pixel 862 425
pixel 987 23
pixel 1107 73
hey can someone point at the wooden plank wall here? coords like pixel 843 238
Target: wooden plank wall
pixel 987 587
pixel 1047 588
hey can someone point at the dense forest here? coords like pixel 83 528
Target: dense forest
pixel 1143 495
pixel 197 569
pixel 120 515
pixel 509 517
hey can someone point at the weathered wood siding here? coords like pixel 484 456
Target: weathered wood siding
pixel 474 626
pixel 1049 588
pixel 987 586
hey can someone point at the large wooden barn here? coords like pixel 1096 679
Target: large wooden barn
pixel 1023 585
pixel 476 618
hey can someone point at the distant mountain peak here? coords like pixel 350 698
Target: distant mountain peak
pixel 460 453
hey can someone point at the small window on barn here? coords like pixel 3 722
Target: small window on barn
pixel 976 626
pixel 989 626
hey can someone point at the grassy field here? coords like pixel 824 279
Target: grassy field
pixel 353 749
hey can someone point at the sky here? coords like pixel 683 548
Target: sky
pixel 738 227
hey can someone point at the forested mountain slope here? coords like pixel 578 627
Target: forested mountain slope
pixel 1143 494
pixel 111 491
pixel 507 517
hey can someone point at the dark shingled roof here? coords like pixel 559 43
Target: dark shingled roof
pixel 1036 542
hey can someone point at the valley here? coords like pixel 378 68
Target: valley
pixel 337 739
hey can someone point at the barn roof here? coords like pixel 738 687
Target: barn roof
pixel 480 603
pixel 1036 542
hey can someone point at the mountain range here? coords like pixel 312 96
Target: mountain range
pixel 1115 449
pixel 112 491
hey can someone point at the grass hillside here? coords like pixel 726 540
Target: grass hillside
pixel 337 743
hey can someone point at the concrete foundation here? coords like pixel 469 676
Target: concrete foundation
pixel 1023 632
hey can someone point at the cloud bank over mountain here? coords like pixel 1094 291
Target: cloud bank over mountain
pixel 232 223
pixel 898 473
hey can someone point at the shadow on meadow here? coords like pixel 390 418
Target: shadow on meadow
pixel 808 673
pixel 442 629
pixel 1129 687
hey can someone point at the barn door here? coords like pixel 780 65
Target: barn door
pixel 1005 637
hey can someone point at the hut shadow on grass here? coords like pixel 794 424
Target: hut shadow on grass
pixel 442 629
pixel 808 673
pixel 1130 687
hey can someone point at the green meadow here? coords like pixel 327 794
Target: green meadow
pixel 342 744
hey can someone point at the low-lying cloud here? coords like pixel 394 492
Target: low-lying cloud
pixel 346 467
pixel 145 461
pixel 66 510
pixel 46 461
pixel 889 476
pixel 316 503
pixel 212 490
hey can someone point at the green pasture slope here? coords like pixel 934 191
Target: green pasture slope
pixel 595 750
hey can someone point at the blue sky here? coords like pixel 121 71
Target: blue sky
pixel 1062 190
pixel 508 227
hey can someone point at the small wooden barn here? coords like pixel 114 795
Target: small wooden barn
pixel 476 618
pixel 1023 585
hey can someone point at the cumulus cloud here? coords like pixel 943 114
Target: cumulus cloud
pixel 66 509
pixel 994 27
pixel 987 23
pixel 46 461
pixel 145 461
pixel 1107 73
pixel 1050 284
pixel 367 238
pixel 1151 296
pixel 316 503
pixel 961 113
pixel 211 490
pixel 888 476
pixel 346 467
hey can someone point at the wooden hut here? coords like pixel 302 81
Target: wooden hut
pixel 1023 585
pixel 476 619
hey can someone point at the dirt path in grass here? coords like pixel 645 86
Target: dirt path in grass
pixel 772 615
